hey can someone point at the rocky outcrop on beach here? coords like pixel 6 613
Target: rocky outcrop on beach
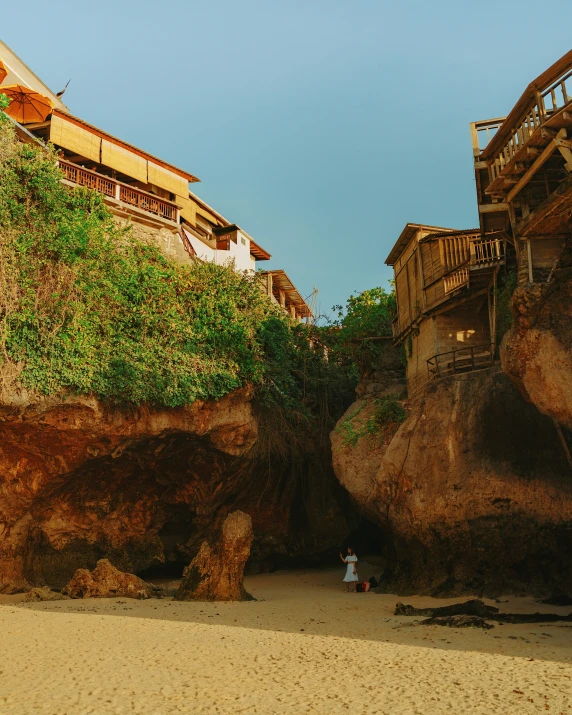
pixel 142 487
pixel 473 492
pixel 217 571
pixel 105 581
pixel 44 593
pixel 537 351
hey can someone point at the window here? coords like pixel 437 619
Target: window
pixel 243 240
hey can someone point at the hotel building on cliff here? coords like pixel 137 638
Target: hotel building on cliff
pixel 447 281
pixel 149 193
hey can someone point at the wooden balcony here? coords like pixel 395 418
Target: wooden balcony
pixel 445 267
pixel 132 199
pixel 486 252
pixel 520 144
pixel 455 280
pixel 466 359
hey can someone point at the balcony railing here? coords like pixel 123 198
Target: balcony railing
pixel 467 359
pixel 486 250
pixel 120 192
pixel 456 280
pixel 546 96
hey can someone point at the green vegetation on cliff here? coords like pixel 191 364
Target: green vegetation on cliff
pixel 360 324
pixel 86 307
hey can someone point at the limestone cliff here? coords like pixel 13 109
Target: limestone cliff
pixel 80 481
pixel 537 351
pixel 474 491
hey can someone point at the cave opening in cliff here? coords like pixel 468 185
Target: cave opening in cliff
pixel 370 542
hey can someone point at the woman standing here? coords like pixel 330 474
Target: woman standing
pixel 351 571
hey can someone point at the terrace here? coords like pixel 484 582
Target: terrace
pixel 124 196
pixel 524 159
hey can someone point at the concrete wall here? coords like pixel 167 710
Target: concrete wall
pixel 461 328
pixel 454 330
pixel 168 241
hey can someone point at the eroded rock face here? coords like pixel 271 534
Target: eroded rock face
pixel 537 352
pixel 474 492
pixel 80 482
pixel 217 571
pixel 105 581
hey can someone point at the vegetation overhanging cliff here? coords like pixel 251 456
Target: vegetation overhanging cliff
pixel 142 400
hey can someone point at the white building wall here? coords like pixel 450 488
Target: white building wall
pixel 239 253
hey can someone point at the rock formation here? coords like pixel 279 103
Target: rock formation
pixel 537 351
pixel 216 573
pixel 80 481
pixel 474 492
pixel 105 581
pixel 44 593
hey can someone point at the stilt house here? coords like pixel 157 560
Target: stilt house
pixel 523 169
pixel 445 286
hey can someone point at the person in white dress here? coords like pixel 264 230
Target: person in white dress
pixel 351 571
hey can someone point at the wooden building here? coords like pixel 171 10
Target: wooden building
pixel 445 282
pixel 523 169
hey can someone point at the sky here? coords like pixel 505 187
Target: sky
pixel 320 127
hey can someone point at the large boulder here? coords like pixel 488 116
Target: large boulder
pixel 105 581
pixel 216 573
pixel 473 492
pixel 537 351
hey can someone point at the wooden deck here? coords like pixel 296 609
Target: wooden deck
pixel 525 159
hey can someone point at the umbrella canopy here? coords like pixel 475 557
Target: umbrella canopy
pixel 3 71
pixel 26 105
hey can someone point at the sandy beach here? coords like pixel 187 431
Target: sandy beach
pixel 304 647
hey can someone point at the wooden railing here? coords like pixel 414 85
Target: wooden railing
pixel 546 96
pixel 147 202
pixel 482 133
pixel 90 179
pixel 474 357
pixel 486 250
pixel 455 280
pixel 119 191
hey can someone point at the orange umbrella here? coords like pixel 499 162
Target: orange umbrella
pixel 26 105
pixel 3 71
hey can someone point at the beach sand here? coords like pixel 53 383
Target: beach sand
pixel 304 647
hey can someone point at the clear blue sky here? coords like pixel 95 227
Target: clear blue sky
pixel 319 126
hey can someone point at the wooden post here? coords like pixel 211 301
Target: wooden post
pixel 563 441
pixel 494 314
pixel 421 274
pixel 529 256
